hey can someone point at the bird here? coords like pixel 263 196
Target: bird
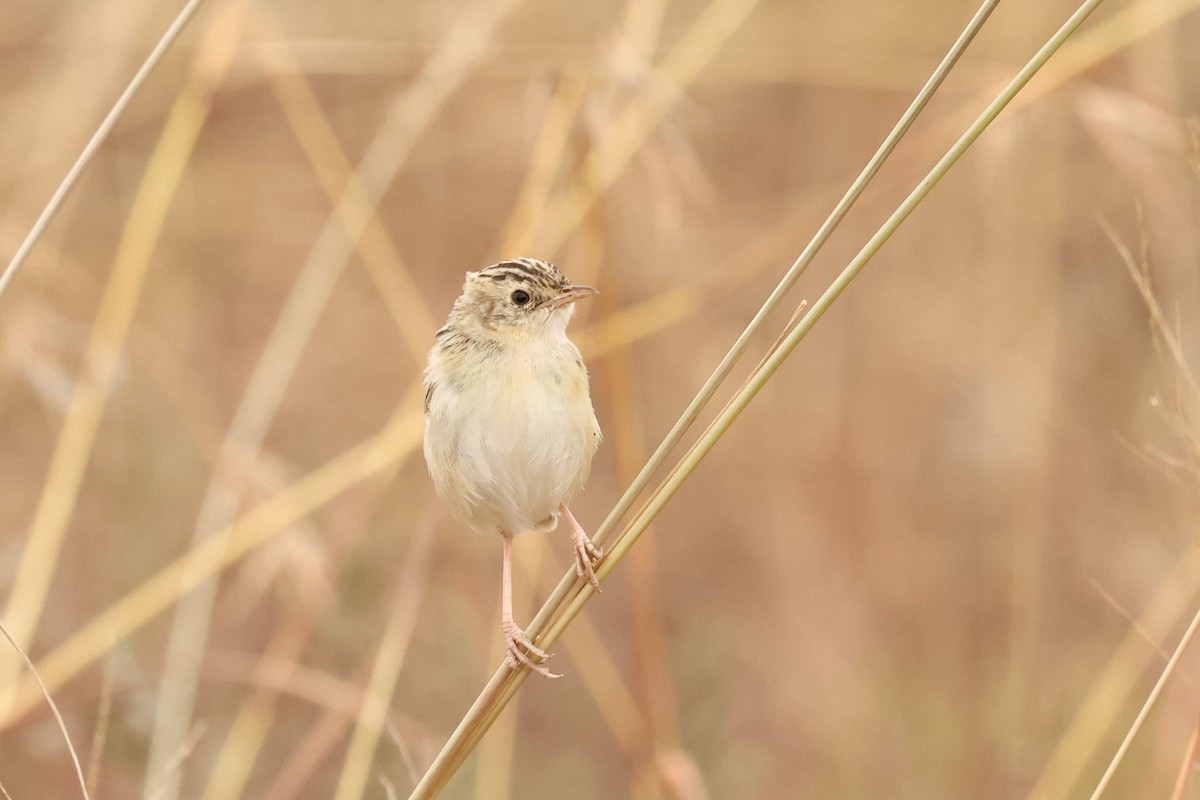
pixel 510 431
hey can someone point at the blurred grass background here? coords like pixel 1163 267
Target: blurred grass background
pixel 941 556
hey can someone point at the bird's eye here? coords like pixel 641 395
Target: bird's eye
pixel 520 297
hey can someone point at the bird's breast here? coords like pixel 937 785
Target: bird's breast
pixel 517 432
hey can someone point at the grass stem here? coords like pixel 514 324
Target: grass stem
pixel 89 150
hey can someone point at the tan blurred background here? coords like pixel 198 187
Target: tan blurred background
pixel 945 553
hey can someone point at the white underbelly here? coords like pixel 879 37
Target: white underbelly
pixel 507 449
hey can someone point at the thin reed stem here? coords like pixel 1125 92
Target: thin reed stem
pixel 1106 696
pixel 1147 706
pixel 718 376
pixel 62 726
pixel 89 150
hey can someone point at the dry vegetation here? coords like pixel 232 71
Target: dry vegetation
pixel 946 553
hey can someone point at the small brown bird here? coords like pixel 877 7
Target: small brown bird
pixel 509 426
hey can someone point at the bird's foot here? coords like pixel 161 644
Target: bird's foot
pixel 522 651
pixel 586 556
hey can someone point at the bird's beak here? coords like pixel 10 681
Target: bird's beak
pixel 569 294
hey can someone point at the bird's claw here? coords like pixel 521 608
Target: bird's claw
pixel 523 652
pixel 586 557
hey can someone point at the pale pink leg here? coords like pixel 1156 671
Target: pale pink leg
pixel 520 649
pixel 586 553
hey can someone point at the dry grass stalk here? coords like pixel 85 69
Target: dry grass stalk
pixel 1111 688
pixel 1163 677
pixel 62 726
pixel 89 150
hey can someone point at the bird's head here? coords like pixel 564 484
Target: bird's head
pixel 519 299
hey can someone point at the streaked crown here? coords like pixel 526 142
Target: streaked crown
pixel 540 275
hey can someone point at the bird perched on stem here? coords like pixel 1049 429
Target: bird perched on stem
pixel 509 426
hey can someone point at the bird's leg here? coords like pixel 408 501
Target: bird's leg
pixel 586 553
pixel 520 649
